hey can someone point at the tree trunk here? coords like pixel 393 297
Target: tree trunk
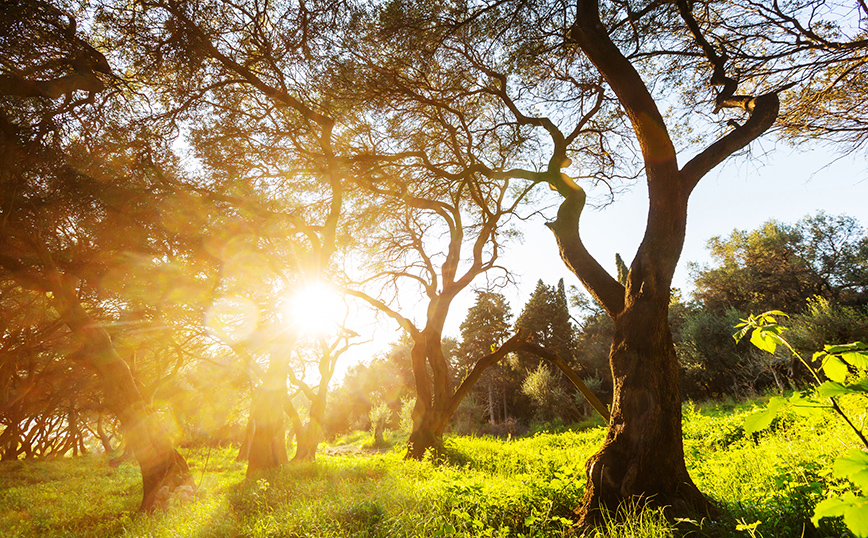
pixel 425 436
pixel 267 448
pixel 309 436
pixel 642 457
pixel 161 465
pixel 163 469
pixel 104 438
pixel 244 449
pixel 307 442
pixel 431 414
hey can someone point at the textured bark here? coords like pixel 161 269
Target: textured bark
pixel 642 456
pixel 244 449
pixel 426 436
pixel 430 418
pixel 308 436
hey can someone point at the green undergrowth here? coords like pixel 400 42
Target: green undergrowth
pixel 766 484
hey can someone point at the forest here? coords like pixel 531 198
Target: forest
pixel 207 207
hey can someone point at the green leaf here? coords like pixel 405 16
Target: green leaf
pixel 835 369
pixel 856 516
pixel 854 467
pixel 855 346
pixel 740 334
pixel 830 389
pixel 764 340
pixel 857 359
pixel 853 508
pixel 833 507
pixel 763 419
pixel 805 407
pixel 859 386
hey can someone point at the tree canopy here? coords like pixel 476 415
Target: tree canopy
pixel 169 171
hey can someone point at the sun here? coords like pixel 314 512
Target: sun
pixel 315 309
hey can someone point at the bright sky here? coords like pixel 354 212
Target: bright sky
pixel 785 186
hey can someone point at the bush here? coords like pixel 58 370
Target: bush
pixel 551 399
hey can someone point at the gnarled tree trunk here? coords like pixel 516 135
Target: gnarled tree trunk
pixel 642 455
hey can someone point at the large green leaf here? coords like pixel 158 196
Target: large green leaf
pixel 855 346
pixel 805 407
pixel 831 389
pixel 858 359
pixel 764 340
pixel 856 517
pixel 853 508
pixel 833 507
pixel 854 467
pixel 762 419
pixel 835 369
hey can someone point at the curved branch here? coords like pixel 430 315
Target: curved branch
pixel 764 113
pixel 589 33
pixel 405 323
pixel 513 344
pixel 601 285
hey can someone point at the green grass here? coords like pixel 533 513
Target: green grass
pixel 486 487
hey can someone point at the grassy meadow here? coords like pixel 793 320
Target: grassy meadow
pixel 766 485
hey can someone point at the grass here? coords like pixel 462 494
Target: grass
pixel 487 487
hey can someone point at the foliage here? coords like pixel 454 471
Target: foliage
pixel 784 265
pixel 546 317
pixel 379 417
pixel 486 326
pixel 846 368
pixel 551 399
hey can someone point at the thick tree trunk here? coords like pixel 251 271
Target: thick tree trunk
pixel 104 438
pixel 436 404
pixel 163 469
pixel 307 442
pixel 267 448
pixel 244 449
pixel 309 436
pixel 642 457
pixel 427 435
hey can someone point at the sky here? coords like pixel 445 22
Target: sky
pixel 742 193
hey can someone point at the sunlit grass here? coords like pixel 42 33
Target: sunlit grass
pixel 486 487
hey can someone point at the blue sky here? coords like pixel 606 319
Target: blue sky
pixel 742 194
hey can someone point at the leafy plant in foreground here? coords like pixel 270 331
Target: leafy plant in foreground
pixel 839 363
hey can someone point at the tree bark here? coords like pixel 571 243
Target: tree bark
pixel 161 465
pixel 430 418
pixel 642 457
pixel 309 436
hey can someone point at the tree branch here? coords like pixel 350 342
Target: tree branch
pixel 764 111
